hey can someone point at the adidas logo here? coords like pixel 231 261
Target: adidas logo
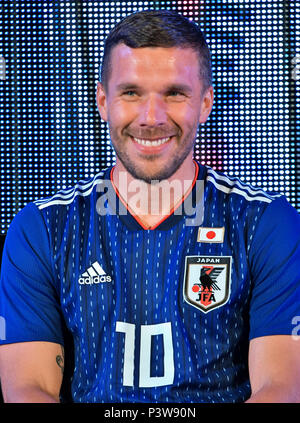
pixel 94 274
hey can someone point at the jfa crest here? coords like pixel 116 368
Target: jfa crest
pixel 207 281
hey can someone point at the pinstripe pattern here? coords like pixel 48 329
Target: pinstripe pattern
pixel 113 323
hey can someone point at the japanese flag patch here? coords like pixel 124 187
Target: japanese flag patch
pixel 211 234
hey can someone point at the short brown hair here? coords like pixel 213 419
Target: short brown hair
pixel 158 28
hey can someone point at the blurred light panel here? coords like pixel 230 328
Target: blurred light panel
pixel 52 136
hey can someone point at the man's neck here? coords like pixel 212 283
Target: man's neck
pixel 151 203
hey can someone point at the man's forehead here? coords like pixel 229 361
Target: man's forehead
pixel 153 62
pixel 170 54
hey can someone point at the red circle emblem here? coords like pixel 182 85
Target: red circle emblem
pixel 211 234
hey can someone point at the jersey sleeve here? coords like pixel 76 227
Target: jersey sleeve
pixel 275 266
pixel 29 297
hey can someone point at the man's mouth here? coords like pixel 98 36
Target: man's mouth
pixel 151 142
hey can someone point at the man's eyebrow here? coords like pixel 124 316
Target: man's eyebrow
pixel 127 86
pixel 124 86
pixel 180 87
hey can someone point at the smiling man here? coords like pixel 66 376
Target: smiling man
pixel 159 309
pixel 154 117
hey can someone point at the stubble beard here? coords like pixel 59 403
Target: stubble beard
pixel 137 172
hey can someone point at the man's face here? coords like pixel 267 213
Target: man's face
pixel 153 103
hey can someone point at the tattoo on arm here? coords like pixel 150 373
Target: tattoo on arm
pixel 60 360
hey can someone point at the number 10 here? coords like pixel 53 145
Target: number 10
pixel 147 331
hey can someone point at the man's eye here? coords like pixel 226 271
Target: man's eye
pixel 129 93
pixel 175 93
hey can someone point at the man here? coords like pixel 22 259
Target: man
pixel 170 296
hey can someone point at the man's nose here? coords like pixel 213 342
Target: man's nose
pixel 153 111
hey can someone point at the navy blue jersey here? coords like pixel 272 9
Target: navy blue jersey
pixel 157 315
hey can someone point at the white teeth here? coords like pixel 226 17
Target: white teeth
pixel 151 143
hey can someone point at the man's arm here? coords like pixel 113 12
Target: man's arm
pixel 274 368
pixel 31 372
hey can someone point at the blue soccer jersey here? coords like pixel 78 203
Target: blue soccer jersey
pixel 156 315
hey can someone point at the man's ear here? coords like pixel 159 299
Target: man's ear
pixel 101 101
pixel 206 105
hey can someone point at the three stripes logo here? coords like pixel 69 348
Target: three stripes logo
pixel 94 274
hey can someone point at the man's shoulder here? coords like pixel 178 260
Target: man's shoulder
pixel 83 189
pixel 234 188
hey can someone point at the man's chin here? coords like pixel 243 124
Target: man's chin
pixel 153 176
pixel 151 169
